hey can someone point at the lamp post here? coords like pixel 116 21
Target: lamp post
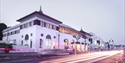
pixel 77 38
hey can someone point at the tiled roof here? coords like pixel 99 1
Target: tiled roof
pixel 85 32
pixel 38 13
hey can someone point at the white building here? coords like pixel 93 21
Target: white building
pixel 97 42
pixel 38 31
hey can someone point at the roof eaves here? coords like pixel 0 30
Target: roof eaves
pixel 19 20
pixel 50 17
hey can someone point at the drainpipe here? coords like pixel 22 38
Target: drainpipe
pixel 58 40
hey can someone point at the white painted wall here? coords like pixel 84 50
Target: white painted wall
pixel 45 31
pixel 28 31
pixel 64 36
pixel 12 37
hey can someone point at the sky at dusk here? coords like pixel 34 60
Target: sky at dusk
pixel 104 18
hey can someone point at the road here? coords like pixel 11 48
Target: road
pixel 78 58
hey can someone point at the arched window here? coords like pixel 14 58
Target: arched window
pixel 48 41
pixel 72 44
pixel 26 39
pixel 66 43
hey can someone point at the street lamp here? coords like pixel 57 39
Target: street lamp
pixel 77 38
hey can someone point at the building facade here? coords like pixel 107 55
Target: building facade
pixel 38 31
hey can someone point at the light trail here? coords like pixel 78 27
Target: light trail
pixel 83 57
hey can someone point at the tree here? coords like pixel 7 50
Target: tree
pixel 2 27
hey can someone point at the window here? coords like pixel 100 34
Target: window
pixel 66 43
pixel 57 28
pixel 21 26
pixel 41 23
pixel 11 33
pixel 22 42
pixel 7 34
pixel 4 35
pixel 26 25
pixel 31 34
pixel 14 42
pixel 48 25
pixel 98 42
pixel 30 23
pixel 26 37
pixel 90 40
pixel 36 22
pixel 54 37
pixel 48 41
pixel 15 32
pixel 52 26
pixel 41 35
pixel 18 31
pixel 41 43
pixel 22 36
pixel 31 44
pixel 44 24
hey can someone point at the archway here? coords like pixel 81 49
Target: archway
pixel 78 46
pixel 26 39
pixel 48 41
pixel 83 46
pixel 66 43
pixel 72 44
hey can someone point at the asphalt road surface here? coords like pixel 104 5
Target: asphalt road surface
pixel 78 58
